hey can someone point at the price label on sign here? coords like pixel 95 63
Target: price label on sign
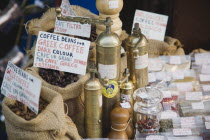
pixel 198 105
pixel 182 132
pixel 175 60
pixel 194 96
pixel 184 87
pixel 22 86
pixel 61 53
pixel 155 137
pixel 207 124
pixel 205 69
pixel 151 77
pixel 187 122
pixel 178 75
pixel 71 28
pixel 202 58
pixel 204 78
pixel 206 88
pixel 152 25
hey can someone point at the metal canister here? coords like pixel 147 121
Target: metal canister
pixel 93 107
pixel 137 57
pixel 108 46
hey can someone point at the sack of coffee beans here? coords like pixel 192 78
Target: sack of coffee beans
pixel 50 124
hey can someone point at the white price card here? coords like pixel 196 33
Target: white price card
pixel 125 105
pixel 205 69
pixel 182 132
pixel 155 137
pixel 22 86
pixel 113 4
pixel 198 105
pixel 71 28
pixel 204 78
pixel 152 25
pixel 207 124
pixel 151 77
pixel 155 64
pixel 166 94
pixel 175 60
pixel 206 88
pixel 178 75
pixel 107 71
pixel 207 118
pixel 194 96
pixel 141 62
pixel 61 53
pixel 185 86
pixel 202 58
pixel 187 122
pixel 168 115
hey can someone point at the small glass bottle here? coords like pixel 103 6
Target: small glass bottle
pixel 148 109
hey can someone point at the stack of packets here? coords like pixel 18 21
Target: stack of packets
pixel 185 85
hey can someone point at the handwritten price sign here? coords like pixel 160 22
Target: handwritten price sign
pixel 153 25
pixel 21 86
pixel 61 53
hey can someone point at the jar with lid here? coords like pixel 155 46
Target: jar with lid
pixel 147 109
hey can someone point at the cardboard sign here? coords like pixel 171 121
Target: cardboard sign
pixel 22 86
pixel 182 132
pixel 61 53
pixel 152 25
pixel 194 96
pixel 71 28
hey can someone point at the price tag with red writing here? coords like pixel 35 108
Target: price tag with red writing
pixel 152 25
pixel 22 86
pixel 61 53
pixel 71 28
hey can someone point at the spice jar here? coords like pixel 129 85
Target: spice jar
pixel 148 109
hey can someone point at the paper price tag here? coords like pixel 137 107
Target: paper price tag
pixel 61 53
pixel 206 88
pixel 155 137
pixel 141 62
pixel 125 105
pixel 151 77
pixel 107 71
pixel 71 28
pixel 153 25
pixel 126 96
pixel 207 118
pixel 182 132
pixel 205 69
pixel 187 122
pixel 202 58
pixel 207 124
pixel 155 64
pixel 198 105
pixel 194 96
pixel 166 94
pixel 168 115
pixel 204 78
pixel 175 60
pixel 178 75
pixel 184 87
pixel 160 75
pixel 113 4
pixel 22 86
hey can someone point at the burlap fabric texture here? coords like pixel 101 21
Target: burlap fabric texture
pixel 51 124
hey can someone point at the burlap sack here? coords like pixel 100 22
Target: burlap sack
pixel 50 124
pixel 199 50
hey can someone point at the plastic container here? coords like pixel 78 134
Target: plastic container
pixel 147 109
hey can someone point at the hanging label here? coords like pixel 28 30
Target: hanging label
pixel 125 105
pixel 155 137
pixel 207 124
pixel 155 64
pixel 126 96
pixel 111 90
pixel 207 118
pixel 205 69
pixel 71 28
pixel 204 78
pixel 168 115
pixel 22 86
pixel 151 77
pixel 61 53
pixel 198 105
pixel 175 60
pixel 113 4
pixel 107 71
pixel 166 94
pixel 152 25
pixel 182 132
pixel 206 88
pixel 202 58
pixel 187 122
pixel 194 96
pixel 141 62
pixel 184 87
pixel 178 75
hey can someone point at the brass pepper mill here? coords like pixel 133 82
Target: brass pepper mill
pixel 137 57
pixel 93 106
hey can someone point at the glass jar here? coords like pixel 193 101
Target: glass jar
pixel 148 109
